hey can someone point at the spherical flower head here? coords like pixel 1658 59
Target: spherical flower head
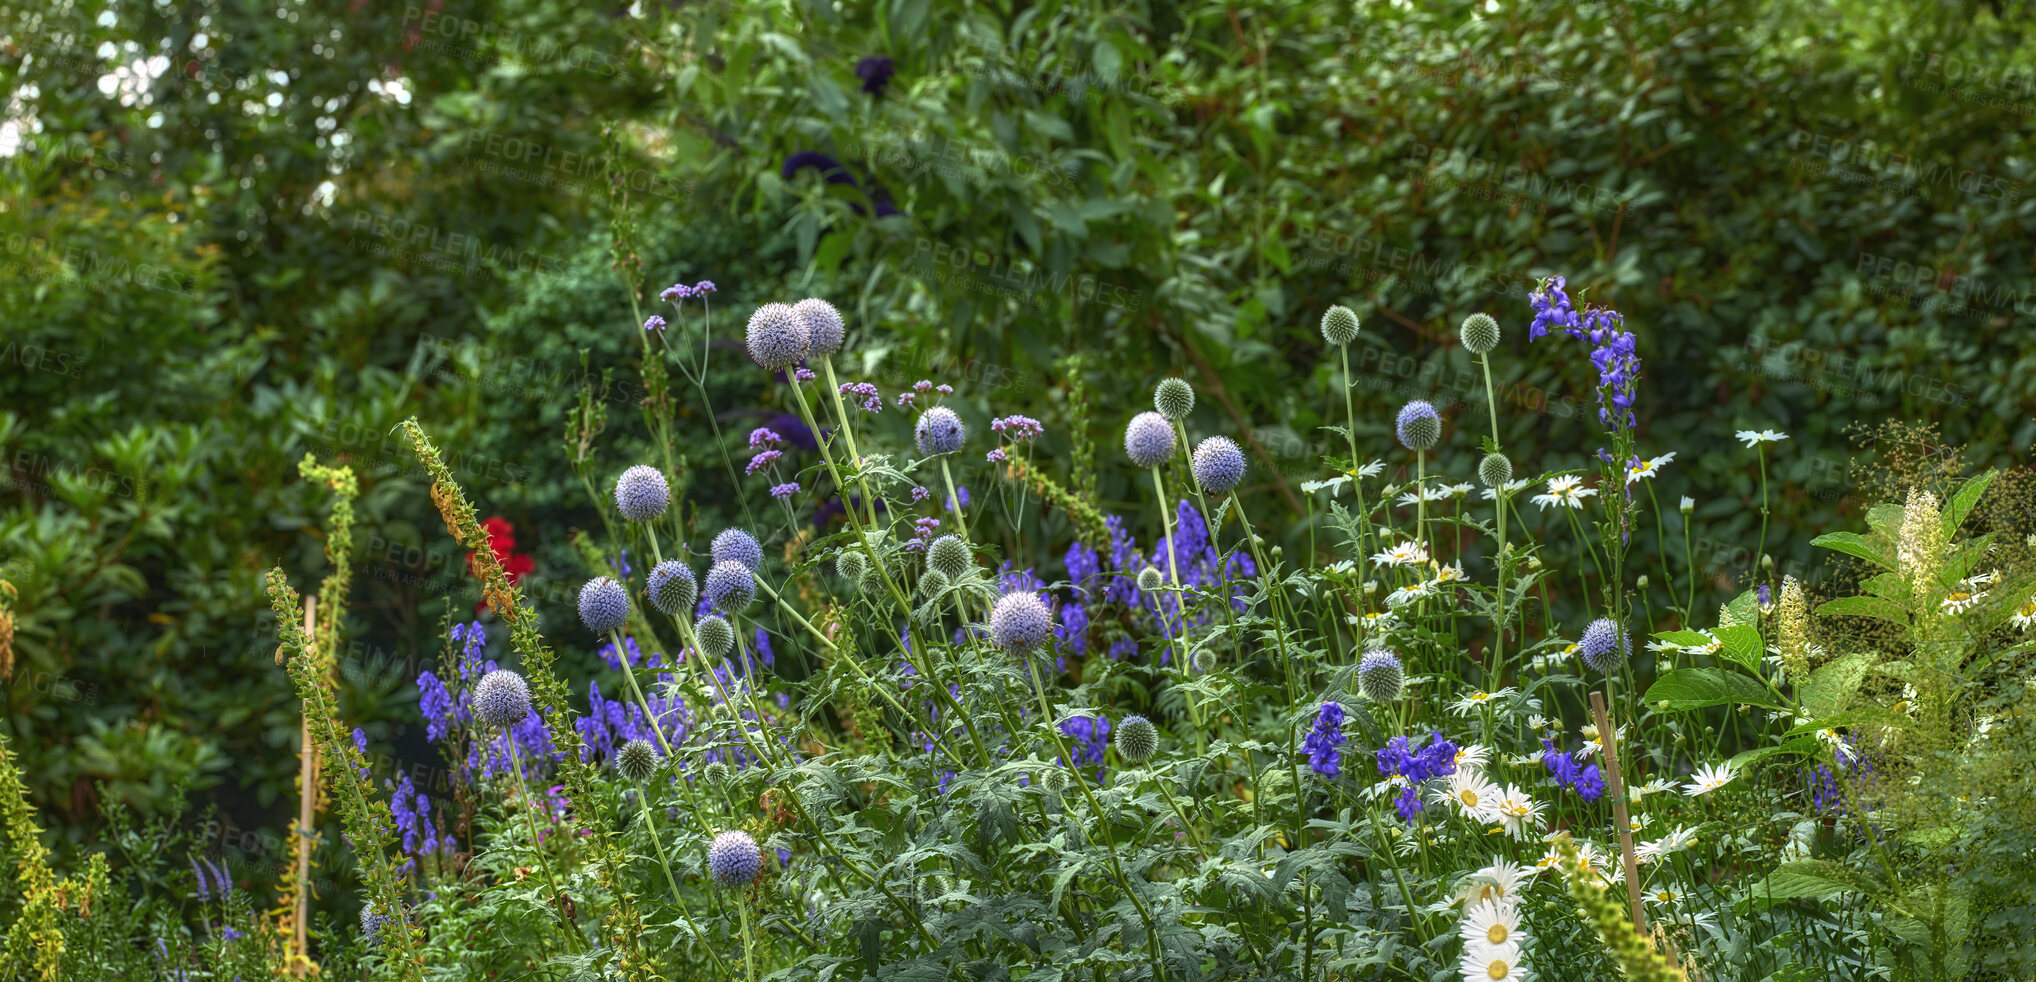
pixel 1150 579
pixel 1218 465
pixel 933 583
pixel 716 773
pixel 734 859
pixel 373 920
pixel 1020 622
pixel 1480 334
pixel 672 587
pixel 1339 325
pixel 823 326
pixel 1604 645
pixel 1148 439
pixel 1495 470
pixel 852 566
pixel 641 493
pixel 939 431
pixel 1419 425
pixel 730 586
pixel 1137 739
pixel 1380 676
pixel 735 545
pixel 502 699
pixel 604 605
pixel 1174 398
pixel 636 761
pixel 949 556
pixel 715 635
pixel 777 337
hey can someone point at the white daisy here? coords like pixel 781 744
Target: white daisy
pixel 1451 573
pixel 1373 469
pixel 1332 485
pixel 1490 922
pixel 1516 484
pixel 1500 882
pixel 1472 794
pixel 1708 778
pixel 1374 622
pixel 1642 470
pixel 1492 963
pixel 1962 599
pixel 2025 615
pixel 1519 812
pixel 1474 755
pixel 1416 495
pixel 1537 721
pixel 1406 594
pixel 1687 505
pixel 1711 647
pixel 1409 553
pixel 1458 490
pixel 1658 645
pixel 1665 894
pixel 1981 579
pixel 1655 786
pixel 1476 699
pixel 1526 760
pixel 1567 490
pixel 1753 439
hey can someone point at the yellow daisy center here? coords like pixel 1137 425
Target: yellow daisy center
pixel 1496 934
pixel 1470 798
pixel 1498 969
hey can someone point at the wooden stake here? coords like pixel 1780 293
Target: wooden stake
pixel 307 818
pixel 1608 738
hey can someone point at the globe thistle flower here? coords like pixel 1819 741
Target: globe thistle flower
pixel 1148 439
pixel 1604 645
pixel 373 920
pixel 852 566
pixel 1218 465
pixel 1480 334
pixel 1174 398
pixel 777 337
pixel 1339 325
pixel 1203 661
pixel 1020 622
pixel 823 326
pixel 730 586
pixel 939 431
pixel 949 556
pixel 1380 676
pixel 1150 579
pixel 641 493
pixel 933 583
pixel 636 761
pixel 1418 425
pixel 1495 470
pixel 502 699
pixel 717 773
pixel 1137 739
pixel 672 587
pixel 735 545
pixel 734 859
pixel 604 605
pixel 715 636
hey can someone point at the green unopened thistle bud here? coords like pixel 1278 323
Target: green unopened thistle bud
pixel 852 566
pixel 933 583
pixel 1174 398
pixel 636 761
pixel 1480 334
pixel 1339 325
pixel 1055 779
pixel 1137 739
pixel 715 635
pixel 1641 582
pixel 716 774
pixel 1150 579
pixel 1202 661
pixel 1278 553
pixel 1495 470
pixel 949 556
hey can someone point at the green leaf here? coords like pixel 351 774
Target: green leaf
pixel 1807 878
pixel 1886 610
pixel 1854 544
pixel 1831 687
pixel 1744 609
pixel 1685 638
pixel 1742 644
pixel 1804 746
pixel 1696 688
pixel 1885 519
pixel 1966 497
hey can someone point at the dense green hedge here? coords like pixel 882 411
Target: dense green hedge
pixel 1813 219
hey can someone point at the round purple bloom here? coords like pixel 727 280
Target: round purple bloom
pixel 940 431
pixel 641 493
pixel 777 337
pixel 604 605
pixel 1148 439
pixel 1604 645
pixel 823 326
pixel 1020 622
pixel 1380 676
pixel 730 586
pixel 1137 739
pixel 1419 425
pixel 502 699
pixel 1017 427
pixel 734 859
pixel 1218 466
pixel 738 546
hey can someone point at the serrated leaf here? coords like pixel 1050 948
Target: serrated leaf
pixel 1685 638
pixel 1744 608
pixel 1855 544
pixel 1807 878
pixel 1742 644
pixel 1831 687
pixel 1964 499
pixel 1696 688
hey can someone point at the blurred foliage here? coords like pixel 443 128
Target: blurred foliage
pixel 268 235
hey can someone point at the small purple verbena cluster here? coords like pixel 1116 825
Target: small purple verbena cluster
pixel 922 533
pixel 1398 757
pixel 680 291
pixel 1322 741
pixel 1613 348
pixel 653 323
pixel 785 490
pixel 996 456
pixel 1584 779
pixel 761 461
pixel 1017 427
pixel 872 401
pixel 921 492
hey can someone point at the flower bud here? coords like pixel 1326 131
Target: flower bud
pixel 1480 334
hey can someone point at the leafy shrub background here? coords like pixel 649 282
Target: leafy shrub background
pixel 1811 216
